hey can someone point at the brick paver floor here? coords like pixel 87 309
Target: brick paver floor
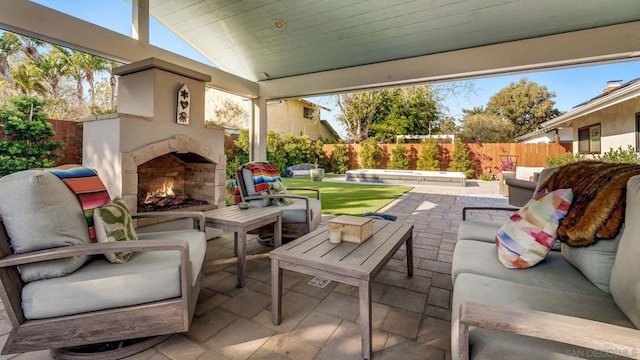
pixel 411 316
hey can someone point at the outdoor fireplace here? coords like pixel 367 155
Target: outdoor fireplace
pixel 142 148
pixel 175 181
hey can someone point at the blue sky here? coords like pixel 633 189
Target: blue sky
pixel 571 86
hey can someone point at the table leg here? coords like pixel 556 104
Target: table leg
pixel 276 292
pixel 409 246
pixel 241 241
pixel 235 243
pixel 365 318
pixel 277 232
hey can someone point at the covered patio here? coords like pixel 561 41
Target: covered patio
pixel 411 316
pixel 275 50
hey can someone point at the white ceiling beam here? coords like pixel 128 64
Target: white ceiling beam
pixel 605 44
pixel 27 18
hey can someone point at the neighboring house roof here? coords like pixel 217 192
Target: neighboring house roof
pixel 333 132
pixel 624 92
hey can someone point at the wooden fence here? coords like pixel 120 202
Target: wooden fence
pixel 484 156
pixel 70 134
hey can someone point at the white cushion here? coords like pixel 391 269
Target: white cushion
pixel 149 276
pixel 40 212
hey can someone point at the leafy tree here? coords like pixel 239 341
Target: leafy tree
pixel 428 159
pixel 460 159
pixel 232 114
pixel 27 141
pixel 399 158
pixel 405 111
pixel 525 104
pixel 371 154
pixel 486 128
pixel 358 111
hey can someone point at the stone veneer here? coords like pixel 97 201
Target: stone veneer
pixel 180 144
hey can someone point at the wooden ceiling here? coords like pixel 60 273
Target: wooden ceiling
pixel 277 49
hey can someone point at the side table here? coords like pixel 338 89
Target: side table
pixel 241 221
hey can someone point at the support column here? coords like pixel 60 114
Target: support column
pixel 258 130
pixel 140 22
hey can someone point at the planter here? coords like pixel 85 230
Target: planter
pixel 316 174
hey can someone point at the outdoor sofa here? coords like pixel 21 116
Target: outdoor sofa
pixel 576 303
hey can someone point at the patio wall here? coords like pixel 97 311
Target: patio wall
pixel 483 155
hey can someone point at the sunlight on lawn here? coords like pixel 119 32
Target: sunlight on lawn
pixel 349 198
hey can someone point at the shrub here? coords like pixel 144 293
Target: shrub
pixel 620 155
pixel 460 159
pixel 559 160
pixel 340 160
pixel 428 159
pixel 27 143
pixel 399 159
pixel 371 154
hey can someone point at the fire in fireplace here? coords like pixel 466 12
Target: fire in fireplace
pixel 172 181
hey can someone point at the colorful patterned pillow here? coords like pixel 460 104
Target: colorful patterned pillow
pixel 113 223
pixel 278 188
pixel 528 235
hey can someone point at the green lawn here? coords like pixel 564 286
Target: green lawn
pixel 349 198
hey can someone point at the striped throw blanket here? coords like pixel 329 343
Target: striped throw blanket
pixel 263 174
pixel 89 189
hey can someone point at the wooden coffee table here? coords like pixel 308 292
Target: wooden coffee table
pixel 353 264
pixel 240 221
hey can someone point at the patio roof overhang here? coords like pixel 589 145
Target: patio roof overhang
pixel 335 46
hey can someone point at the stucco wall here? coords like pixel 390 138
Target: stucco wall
pixel 286 117
pixel 617 125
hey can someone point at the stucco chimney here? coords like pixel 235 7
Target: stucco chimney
pixel 612 85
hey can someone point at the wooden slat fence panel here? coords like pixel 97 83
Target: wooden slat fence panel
pixel 484 156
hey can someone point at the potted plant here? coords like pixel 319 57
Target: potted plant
pixel 317 174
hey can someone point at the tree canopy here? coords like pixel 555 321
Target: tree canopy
pixel 383 114
pixel 525 104
pixel 31 67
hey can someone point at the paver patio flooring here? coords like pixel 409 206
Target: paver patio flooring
pixel 411 316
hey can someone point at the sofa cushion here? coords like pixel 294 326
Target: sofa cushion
pixel 625 275
pixel 479 230
pixel 528 235
pixel 554 272
pixel 149 276
pixel 595 261
pixel 113 223
pixel 486 344
pixel 39 212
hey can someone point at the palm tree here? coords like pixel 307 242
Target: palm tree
pixel 113 82
pixel 93 64
pixel 53 68
pixel 9 45
pixel 30 46
pixel 28 80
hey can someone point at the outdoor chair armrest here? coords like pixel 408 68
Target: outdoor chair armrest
pixel 499 208
pixel 317 191
pixel 95 249
pixel 197 216
pixel 603 337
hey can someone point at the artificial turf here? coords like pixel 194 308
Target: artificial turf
pixel 342 198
